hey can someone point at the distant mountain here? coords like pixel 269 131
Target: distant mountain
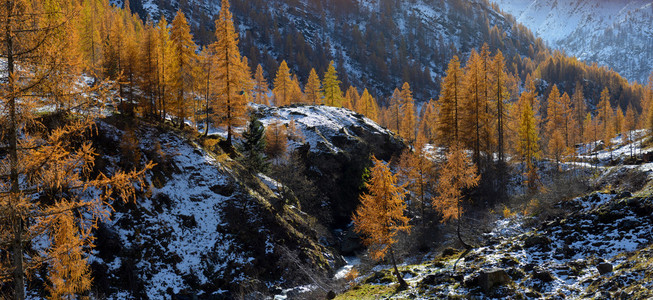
pixel 617 34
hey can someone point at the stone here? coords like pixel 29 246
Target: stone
pixel 331 295
pixel 488 279
pixel 542 275
pixel 448 252
pixel 604 267
pixel 536 240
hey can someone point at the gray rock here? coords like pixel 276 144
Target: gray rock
pixel 488 279
pixel 542 275
pixel 536 240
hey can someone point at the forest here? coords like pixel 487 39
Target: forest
pixel 68 63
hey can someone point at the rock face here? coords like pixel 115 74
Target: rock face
pixel 336 145
pixel 207 226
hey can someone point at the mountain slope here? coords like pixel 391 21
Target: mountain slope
pixel 617 34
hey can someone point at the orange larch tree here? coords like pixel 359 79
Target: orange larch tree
pixel 282 85
pixel 312 89
pixel 380 216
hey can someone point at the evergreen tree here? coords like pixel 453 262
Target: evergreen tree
pixel 380 216
pixel 253 146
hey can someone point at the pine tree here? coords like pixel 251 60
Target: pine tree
pixel 450 104
pixel 312 89
pixel 380 216
pixel 260 87
pixel 408 122
pixel 282 85
pixel 229 109
pixel 183 57
pixel 253 146
pixel 456 175
pixel 331 87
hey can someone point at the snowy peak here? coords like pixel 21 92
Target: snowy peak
pixel 616 34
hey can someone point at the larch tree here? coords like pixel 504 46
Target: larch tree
pixel 260 87
pixel 474 115
pixel 428 121
pixel 528 138
pixel 47 166
pixel 647 107
pixel 605 116
pixel 416 171
pixel 408 120
pixel 276 141
pixel 499 95
pixel 351 98
pixel 230 108
pixel 312 89
pixel 149 68
pixel 566 112
pixel 282 85
pixel 163 69
pixel 555 121
pixel 450 103
pixel 182 59
pixel 457 175
pixel 579 113
pixel 380 216
pixel 619 122
pixel 394 112
pixel 367 106
pixel 296 94
pixel 331 87
pixel 630 125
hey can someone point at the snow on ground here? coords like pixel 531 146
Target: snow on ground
pixel 190 218
pixel 319 122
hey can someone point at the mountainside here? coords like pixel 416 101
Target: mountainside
pixel 617 34
pixel 378 44
pixel 208 227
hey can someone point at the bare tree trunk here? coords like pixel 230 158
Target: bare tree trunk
pixel 402 283
pixel 17 221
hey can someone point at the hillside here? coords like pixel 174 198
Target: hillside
pixel 611 33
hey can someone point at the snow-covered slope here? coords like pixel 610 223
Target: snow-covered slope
pixel 204 228
pixel 618 34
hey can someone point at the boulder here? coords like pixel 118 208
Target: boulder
pixel 604 267
pixel 488 279
pixel 536 240
pixel 448 252
pixel 542 275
